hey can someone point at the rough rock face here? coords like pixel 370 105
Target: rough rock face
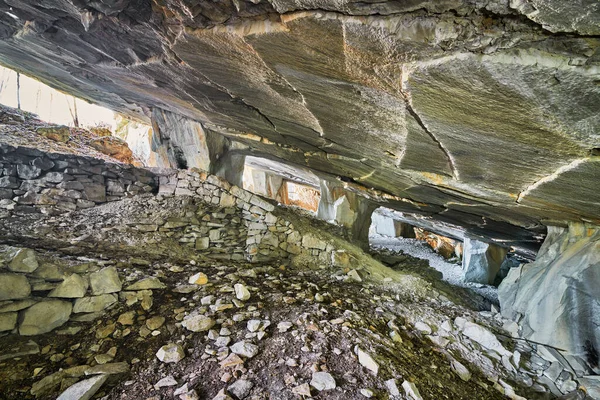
pixel 482 261
pixel 479 113
pixel 556 298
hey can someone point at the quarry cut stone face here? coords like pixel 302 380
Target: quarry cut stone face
pixel 556 298
pixel 408 98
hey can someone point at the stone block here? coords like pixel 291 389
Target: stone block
pixel 8 321
pixel 95 193
pixel 44 317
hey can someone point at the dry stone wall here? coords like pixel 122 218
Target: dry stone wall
pixel 241 225
pixel 34 181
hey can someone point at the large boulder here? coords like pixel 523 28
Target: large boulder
pixel 556 299
pixel 44 317
pixel 482 261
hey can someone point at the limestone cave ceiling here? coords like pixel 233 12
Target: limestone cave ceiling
pixel 479 113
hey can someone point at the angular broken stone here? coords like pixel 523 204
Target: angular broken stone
pixel 462 371
pixel 411 390
pixel 8 321
pixel 147 283
pixel 83 390
pixel 165 382
pixel 14 286
pixel 367 361
pixel 198 323
pixel 199 279
pixel 72 287
pixel 241 292
pixel 44 317
pixel 25 260
pixel 240 388
pixel 245 349
pixel 155 322
pixel 170 353
pixel 231 360
pixel 302 390
pixel 105 281
pixel 322 381
pixel 94 303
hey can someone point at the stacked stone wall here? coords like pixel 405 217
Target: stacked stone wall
pixel 34 181
pixel 242 224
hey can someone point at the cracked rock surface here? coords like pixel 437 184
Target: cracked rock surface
pixel 482 114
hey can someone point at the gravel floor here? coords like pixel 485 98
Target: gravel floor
pixel 453 273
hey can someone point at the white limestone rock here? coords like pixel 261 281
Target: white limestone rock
pixel 482 261
pixel 241 292
pixel 244 349
pixel 322 381
pixel 556 298
pixel 83 390
pixel 367 361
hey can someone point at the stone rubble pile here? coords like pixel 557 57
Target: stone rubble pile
pixel 34 181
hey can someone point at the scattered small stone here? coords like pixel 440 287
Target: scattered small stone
pixel 147 283
pixel 241 292
pixel 302 390
pixel 284 326
pixel 240 388
pixel 165 382
pixel 155 322
pixel 198 279
pixel 253 325
pixel 170 353
pixel 367 361
pixel 245 349
pixel 368 393
pixel 392 387
pixel 322 381
pixel 462 371
pixel 411 390
pixel 198 323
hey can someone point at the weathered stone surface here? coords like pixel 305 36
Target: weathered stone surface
pixel 83 390
pixel 57 133
pixel 146 283
pixel 74 286
pixel 556 297
pixel 8 321
pixel 13 286
pixel 198 323
pixel 322 381
pixel 170 353
pixel 409 98
pixel 105 281
pixel 44 317
pixel 24 260
pixel 94 303
pixel 482 261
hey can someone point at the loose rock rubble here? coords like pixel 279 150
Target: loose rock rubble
pixel 124 300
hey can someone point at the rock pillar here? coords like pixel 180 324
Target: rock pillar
pixel 556 298
pixel 347 209
pixel 482 261
pixel 181 142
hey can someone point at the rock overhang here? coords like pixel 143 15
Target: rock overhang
pixel 472 114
